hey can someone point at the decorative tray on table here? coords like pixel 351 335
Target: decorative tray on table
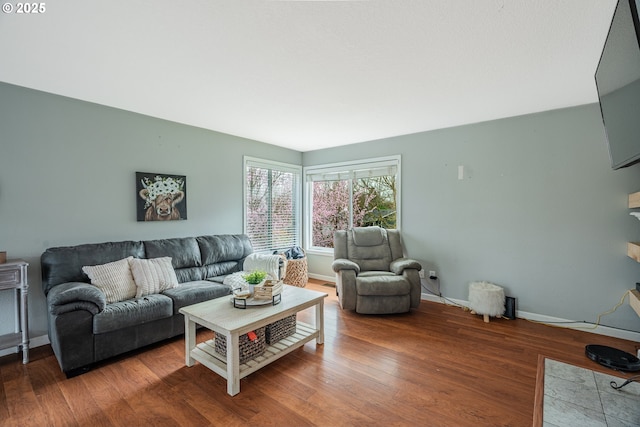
pixel 250 302
pixel 268 293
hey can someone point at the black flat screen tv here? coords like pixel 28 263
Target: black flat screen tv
pixel 618 83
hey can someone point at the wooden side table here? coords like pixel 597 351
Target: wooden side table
pixel 13 276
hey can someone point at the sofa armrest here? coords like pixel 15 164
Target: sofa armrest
pixel 73 296
pixel 399 265
pixel 344 264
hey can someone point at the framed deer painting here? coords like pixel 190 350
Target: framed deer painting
pixel 161 197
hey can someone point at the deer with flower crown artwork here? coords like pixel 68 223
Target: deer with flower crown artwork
pixel 162 197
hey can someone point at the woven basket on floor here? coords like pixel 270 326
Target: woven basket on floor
pixel 297 272
pixel 281 329
pixel 248 349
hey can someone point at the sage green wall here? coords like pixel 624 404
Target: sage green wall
pixel 539 211
pixel 67 176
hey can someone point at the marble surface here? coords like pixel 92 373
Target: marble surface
pixel 576 396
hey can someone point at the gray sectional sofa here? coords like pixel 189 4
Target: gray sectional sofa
pixel 85 329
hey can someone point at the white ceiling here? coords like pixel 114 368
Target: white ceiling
pixel 312 74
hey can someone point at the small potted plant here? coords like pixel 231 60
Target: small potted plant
pixel 254 278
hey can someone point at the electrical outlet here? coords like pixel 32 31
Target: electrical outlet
pixel 432 273
pixel 421 273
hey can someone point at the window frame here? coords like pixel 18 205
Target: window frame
pixel 249 161
pixel 395 160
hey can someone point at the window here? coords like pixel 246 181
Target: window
pixel 272 204
pixel 353 194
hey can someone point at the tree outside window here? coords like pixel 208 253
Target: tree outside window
pixel 359 198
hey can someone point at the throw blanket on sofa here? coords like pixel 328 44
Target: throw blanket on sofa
pixel 267 263
pixel 235 280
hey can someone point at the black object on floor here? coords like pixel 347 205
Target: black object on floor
pixel 510 308
pixel 612 358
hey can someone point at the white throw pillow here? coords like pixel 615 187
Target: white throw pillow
pixel 114 279
pixel 153 276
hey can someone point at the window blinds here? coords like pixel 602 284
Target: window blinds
pixel 271 205
pixel 354 171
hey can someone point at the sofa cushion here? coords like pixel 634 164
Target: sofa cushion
pixel 217 279
pixel 375 273
pixel 367 304
pixel 225 247
pixel 190 274
pixel 374 257
pixel 132 312
pixel 386 285
pixel 368 236
pixel 222 268
pixel 64 264
pixel 194 292
pixel 184 252
pixel 153 276
pixel 114 279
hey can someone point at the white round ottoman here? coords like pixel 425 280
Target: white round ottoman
pixel 487 299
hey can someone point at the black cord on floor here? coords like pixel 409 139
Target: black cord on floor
pixel 426 288
pixel 615 386
pixel 439 295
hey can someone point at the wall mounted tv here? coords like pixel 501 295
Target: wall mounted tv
pixel 618 82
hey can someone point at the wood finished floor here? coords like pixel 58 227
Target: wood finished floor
pixel 436 366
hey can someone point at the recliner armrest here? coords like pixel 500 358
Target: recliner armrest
pixel 73 296
pixel 344 264
pixel 399 265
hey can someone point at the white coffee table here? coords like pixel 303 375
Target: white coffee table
pixel 220 316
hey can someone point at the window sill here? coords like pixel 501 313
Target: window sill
pixel 320 252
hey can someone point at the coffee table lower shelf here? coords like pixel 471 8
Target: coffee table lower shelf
pixel 205 352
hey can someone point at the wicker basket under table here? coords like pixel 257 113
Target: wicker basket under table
pixel 297 272
pixel 248 349
pixel 281 329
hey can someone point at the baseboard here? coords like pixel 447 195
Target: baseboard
pixel 331 279
pixel 553 321
pixel 33 343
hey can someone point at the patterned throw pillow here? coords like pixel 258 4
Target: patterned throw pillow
pixel 153 276
pixel 114 279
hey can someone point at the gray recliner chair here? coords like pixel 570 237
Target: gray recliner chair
pixel 372 274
